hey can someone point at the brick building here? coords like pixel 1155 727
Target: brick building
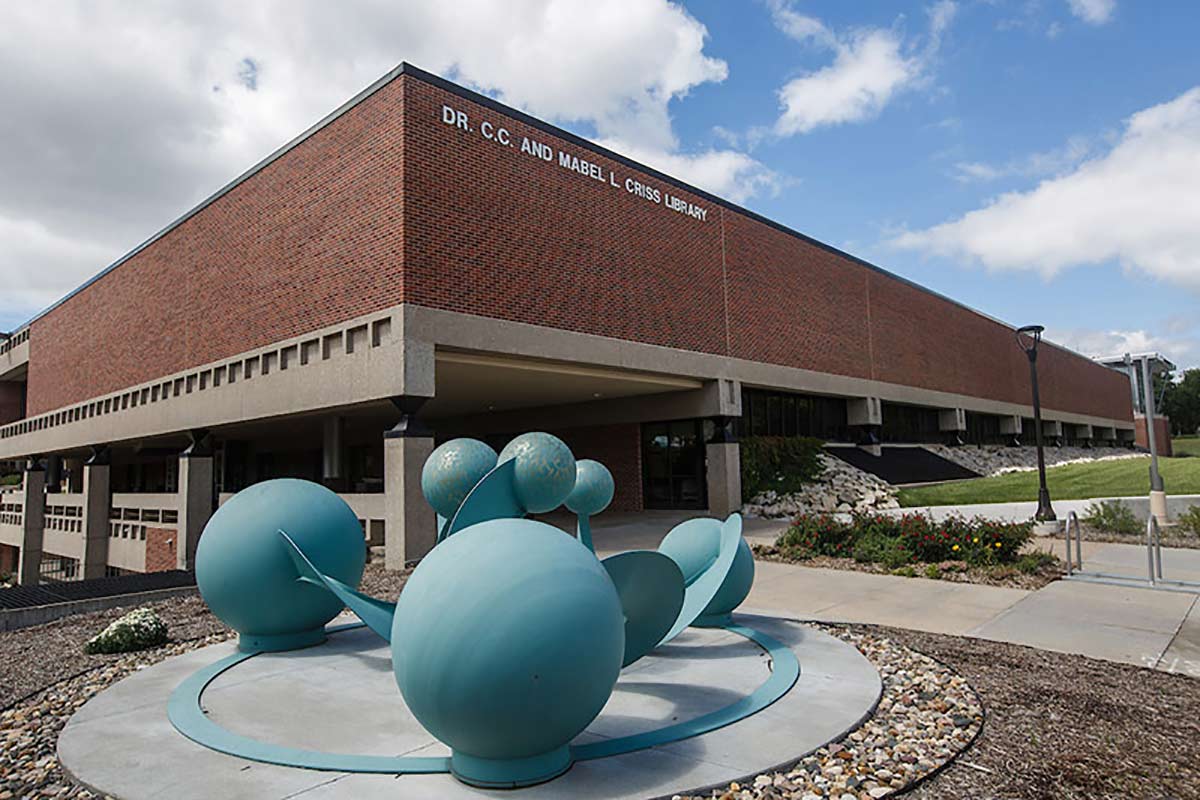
pixel 426 262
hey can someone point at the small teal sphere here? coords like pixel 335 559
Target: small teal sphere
pixel 544 473
pixel 694 545
pixel 508 639
pixel 451 472
pixel 246 575
pixel 593 488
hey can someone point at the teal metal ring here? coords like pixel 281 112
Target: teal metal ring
pixel 188 717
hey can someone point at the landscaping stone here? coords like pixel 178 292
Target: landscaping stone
pixel 841 488
pixel 1000 459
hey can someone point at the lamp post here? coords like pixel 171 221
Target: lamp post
pixel 1028 339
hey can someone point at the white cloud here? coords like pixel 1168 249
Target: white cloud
pixel 1183 350
pixel 870 67
pixel 1093 12
pixel 1137 204
pixel 116 123
pixel 727 173
pixel 1036 165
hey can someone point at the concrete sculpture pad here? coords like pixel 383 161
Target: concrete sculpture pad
pixel 341 697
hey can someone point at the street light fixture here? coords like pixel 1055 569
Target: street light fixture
pixel 1028 338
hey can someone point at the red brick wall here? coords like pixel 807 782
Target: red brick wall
pixel 11 401
pixel 1162 435
pixel 617 447
pixel 326 232
pixel 9 557
pixel 312 239
pixel 160 549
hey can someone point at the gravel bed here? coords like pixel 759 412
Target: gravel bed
pixel 927 714
pixel 955 571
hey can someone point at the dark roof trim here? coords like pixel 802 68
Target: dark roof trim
pixel 434 80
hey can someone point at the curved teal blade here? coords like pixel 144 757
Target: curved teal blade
pixel 376 614
pixel 583 530
pixel 704 588
pixel 650 586
pixel 494 497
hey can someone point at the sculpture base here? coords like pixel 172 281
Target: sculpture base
pixel 511 773
pixel 279 642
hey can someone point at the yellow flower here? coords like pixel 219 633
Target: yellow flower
pixel 975 540
pixel 997 544
pixel 954 548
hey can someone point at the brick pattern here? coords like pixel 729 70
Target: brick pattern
pixel 1162 435
pixel 9 557
pixel 12 402
pixel 351 221
pixel 312 239
pixel 617 447
pixel 160 549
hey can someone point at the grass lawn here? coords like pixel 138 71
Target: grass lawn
pixel 1186 445
pixel 1128 477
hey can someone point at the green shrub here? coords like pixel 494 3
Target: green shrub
pixel 10 480
pixel 819 534
pixel 933 571
pixel 1032 563
pixel 778 463
pixel 1189 520
pixel 137 630
pixel 1112 516
pixel 905 572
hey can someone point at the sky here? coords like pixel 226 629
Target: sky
pixel 1038 160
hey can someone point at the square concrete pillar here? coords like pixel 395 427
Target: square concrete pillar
pixel 196 503
pixel 724 478
pixel 97 503
pixel 1052 429
pixel 952 420
pixel 410 527
pixel 33 522
pixel 1010 425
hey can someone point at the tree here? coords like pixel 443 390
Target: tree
pixel 1181 402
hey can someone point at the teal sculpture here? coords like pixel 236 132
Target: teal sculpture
pixel 507 657
pixel 544 470
pixel 451 472
pixel 509 636
pixel 592 493
pixel 246 573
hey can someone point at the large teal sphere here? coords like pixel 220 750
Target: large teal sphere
pixel 593 488
pixel 247 577
pixel 451 472
pixel 694 545
pixel 507 640
pixel 544 473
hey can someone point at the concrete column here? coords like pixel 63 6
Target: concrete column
pixel 33 509
pixel 1010 426
pixel 864 415
pixel 410 527
pixel 952 422
pixel 1052 431
pixel 196 503
pixel 97 503
pixel 722 455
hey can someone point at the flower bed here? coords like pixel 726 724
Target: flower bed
pixel 974 550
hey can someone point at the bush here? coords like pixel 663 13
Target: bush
pixel 1033 563
pixel 138 630
pixel 905 572
pixel 10 480
pixel 933 571
pixel 1189 520
pixel 1112 516
pixel 778 463
pixel 896 541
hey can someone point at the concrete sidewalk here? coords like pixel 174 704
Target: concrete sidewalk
pixel 1129 625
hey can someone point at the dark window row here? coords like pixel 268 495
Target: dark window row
pixel 767 413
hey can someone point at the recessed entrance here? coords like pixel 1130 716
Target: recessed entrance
pixel 673 464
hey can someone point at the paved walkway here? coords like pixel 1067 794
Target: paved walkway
pixel 1129 625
